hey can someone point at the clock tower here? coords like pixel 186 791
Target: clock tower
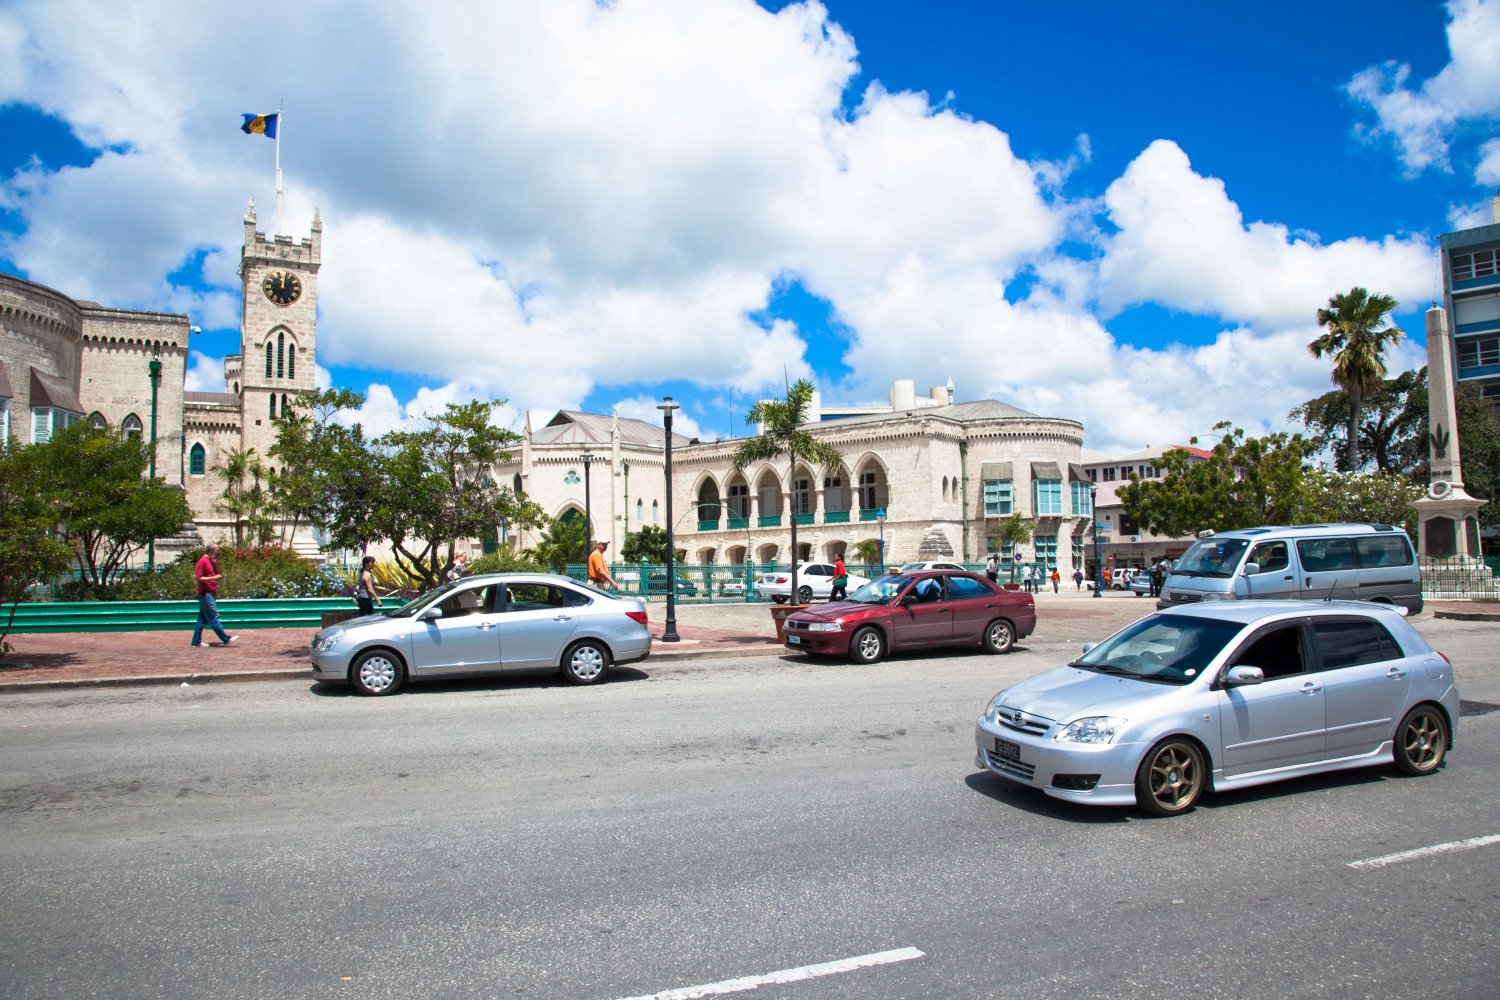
pixel 278 329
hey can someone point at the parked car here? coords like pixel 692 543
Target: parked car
pixel 1368 562
pixel 486 624
pixel 656 583
pixel 814 580
pixel 732 588
pixel 917 567
pixel 1225 696
pixel 1140 583
pixel 904 611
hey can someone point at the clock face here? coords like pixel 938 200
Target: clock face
pixel 282 287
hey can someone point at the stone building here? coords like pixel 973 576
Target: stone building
pixel 63 361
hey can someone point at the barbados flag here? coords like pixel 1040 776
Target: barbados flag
pixel 260 125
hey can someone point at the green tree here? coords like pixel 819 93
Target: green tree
pixel 1356 337
pixel 1378 498
pixel 868 552
pixel 246 498
pixel 1391 423
pixel 30 551
pixel 437 487
pixel 331 476
pixel 1012 530
pixel 782 436
pixel 564 541
pixel 1244 482
pixel 649 544
pixel 104 504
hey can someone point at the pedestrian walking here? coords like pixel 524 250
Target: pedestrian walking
pixel 598 571
pixel 364 590
pixel 1026 578
pixel 840 589
pixel 1056 579
pixel 1156 578
pixel 206 575
pixel 1077 579
pixel 459 569
pixel 992 568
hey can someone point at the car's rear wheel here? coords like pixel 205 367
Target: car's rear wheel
pixel 1171 777
pixel 585 662
pixel 804 595
pixel 867 645
pixel 778 599
pixel 1421 741
pixel 999 636
pixel 377 672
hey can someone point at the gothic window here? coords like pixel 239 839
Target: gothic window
pixel 197 460
pixel 281 355
pixel 97 421
pixel 283 404
pixel 655 512
pixel 640 512
pixel 131 427
pixel 268 359
pixel 273 404
pixel 291 361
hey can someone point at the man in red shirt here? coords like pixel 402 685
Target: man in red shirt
pixel 207 576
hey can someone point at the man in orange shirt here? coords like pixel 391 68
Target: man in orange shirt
pixel 598 571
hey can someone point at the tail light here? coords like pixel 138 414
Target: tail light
pixel 636 616
pixel 1444 656
pixel 783 579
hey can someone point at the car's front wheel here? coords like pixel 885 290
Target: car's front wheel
pixel 1421 741
pixel 999 636
pixel 804 595
pixel 778 598
pixel 867 645
pixel 377 672
pixel 585 662
pixel 1171 777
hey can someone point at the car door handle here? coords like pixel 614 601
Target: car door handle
pixel 563 618
pixel 486 626
pixel 945 611
pixel 1311 688
pixel 1395 673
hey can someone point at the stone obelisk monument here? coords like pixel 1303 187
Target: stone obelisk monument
pixel 1449 525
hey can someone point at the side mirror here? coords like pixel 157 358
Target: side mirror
pixel 1243 675
pixel 431 613
pixel 1089 645
pixel 1251 569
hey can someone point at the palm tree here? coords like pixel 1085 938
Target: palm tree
pixel 782 435
pixel 1357 337
pixel 246 505
pixel 868 552
pixel 1013 530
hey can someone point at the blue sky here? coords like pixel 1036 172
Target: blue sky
pixel 1123 214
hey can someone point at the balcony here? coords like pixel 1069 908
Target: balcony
pixel 738 523
pixel 804 519
pixel 868 514
pixel 836 517
pixel 708 525
pixel 768 521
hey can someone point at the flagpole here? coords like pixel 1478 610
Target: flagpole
pixel 280 124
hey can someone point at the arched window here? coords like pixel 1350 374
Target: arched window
pixel 97 421
pixel 283 404
pixel 281 355
pixel 655 512
pixel 273 404
pixel 197 460
pixel 291 361
pixel 130 427
pixel 268 359
pixel 640 512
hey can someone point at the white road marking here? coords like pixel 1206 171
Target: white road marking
pixel 796 975
pixel 1423 852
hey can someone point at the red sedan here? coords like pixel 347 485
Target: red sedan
pixel 911 611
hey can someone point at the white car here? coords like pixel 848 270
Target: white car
pixel 920 567
pixel 814 580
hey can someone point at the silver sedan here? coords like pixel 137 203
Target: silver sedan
pixel 1225 696
pixel 483 625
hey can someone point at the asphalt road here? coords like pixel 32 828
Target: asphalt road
pixel 692 823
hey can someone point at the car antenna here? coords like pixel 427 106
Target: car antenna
pixel 1329 598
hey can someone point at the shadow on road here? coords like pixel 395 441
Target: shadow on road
pixel 1038 803
pixel 517 681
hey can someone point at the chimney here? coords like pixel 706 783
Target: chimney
pixel 1495 208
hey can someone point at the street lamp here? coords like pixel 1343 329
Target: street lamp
pixel 667 406
pixel 588 510
pixel 153 370
pixel 1098 559
pixel 625 470
pixel 880 520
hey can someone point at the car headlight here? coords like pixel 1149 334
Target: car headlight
pixel 1096 729
pixel 990 713
pixel 330 641
pixel 1212 596
pixel 823 626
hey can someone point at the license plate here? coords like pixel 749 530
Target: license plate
pixel 1006 750
pixel 794 639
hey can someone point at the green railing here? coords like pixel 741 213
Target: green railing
pixel 696 583
pixel 836 517
pixel 1461 579
pixel 768 521
pixel 804 518
pixel 738 523
pixel 708 525
pixel 869 515
pixel 162 616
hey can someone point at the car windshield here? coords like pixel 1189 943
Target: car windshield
pixel 416 604
pixel 881 590
pixel 1212 557
pixel 1166 648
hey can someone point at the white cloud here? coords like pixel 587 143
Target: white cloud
pixel 1488 171
pixel 1421 120
pixel 1184 244
pixel 645 408
pixel 204 373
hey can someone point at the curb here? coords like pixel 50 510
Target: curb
pixel 1469 616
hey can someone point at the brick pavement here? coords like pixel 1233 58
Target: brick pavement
pixel 708 631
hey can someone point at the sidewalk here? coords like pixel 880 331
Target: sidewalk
pixel 707 631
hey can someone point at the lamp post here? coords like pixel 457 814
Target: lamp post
pixel 588 510
pixel 153 369
pixel 880 520
pixel 1098 559
pixel 625 469
pixel 669 634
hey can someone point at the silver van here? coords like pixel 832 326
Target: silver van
pixel 1356 562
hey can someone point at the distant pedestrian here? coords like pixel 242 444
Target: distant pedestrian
pixel 1026 578
pixel 1106 577
pixel 992 568
pixel 1078 579
pixel 1056 579
pixel 459 569
pixel 1156 578
pixel 840 589
pixel 364 591
pixel 598 570
pixel 206 575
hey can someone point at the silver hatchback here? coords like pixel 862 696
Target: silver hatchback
pixel 1225 696
pixel 486 624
